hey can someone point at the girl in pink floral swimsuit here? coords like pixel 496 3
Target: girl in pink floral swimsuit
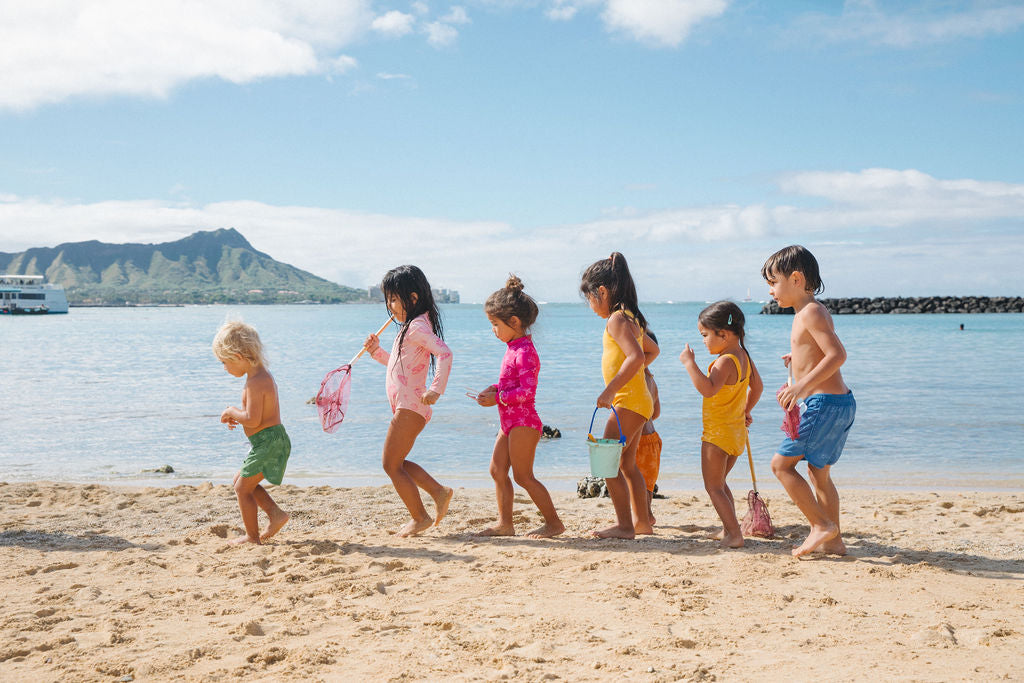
pixel 417 347
pixel 511 312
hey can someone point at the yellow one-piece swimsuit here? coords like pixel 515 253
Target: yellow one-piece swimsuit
pixel 724 413
pixel 634 395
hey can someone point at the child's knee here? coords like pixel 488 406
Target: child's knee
pixel 782 465
pixel 524 479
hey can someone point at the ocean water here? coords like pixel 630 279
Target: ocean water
pixel 103 394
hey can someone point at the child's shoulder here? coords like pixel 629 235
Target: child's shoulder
pixel 261 380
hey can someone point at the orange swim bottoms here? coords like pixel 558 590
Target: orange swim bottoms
pixel 648 458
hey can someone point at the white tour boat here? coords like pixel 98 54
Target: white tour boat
pixel 28 294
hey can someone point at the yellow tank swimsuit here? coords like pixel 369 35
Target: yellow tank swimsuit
pixel 724 413
pixel 634 395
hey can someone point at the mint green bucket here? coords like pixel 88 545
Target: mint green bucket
pixel 605 453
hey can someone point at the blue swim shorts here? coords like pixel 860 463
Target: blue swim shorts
pixel 824 427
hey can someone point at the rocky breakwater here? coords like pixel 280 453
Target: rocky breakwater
pixel 926 304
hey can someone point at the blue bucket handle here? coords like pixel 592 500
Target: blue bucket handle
pixel 590 432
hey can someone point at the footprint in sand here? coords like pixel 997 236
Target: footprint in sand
pixel 220 530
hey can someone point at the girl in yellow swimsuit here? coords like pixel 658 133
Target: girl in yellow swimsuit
pixel 609 289
pixel 731 389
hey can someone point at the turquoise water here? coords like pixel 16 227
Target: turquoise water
pixel 103 394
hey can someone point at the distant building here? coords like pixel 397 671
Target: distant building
pixel 445 296
pixel 373 293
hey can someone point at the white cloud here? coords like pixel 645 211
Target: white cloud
pixel 65 48
pixel 456 15
pixel 420 8
pixel 384 76
pixel 342 63
pixel 394 23
pixel 440 34
pixel 659 22
pixel 873 225
pixel 864 21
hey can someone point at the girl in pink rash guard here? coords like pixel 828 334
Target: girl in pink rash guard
pixel 511 312
pixel 417 347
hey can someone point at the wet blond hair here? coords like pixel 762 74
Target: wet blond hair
pixel 235 338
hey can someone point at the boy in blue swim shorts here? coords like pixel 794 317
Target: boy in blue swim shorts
pixel 815 357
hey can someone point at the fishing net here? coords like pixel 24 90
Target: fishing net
pixel 332 399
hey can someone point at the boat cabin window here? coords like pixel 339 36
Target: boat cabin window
pixel 32 295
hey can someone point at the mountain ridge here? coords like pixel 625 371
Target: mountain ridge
pixel 212 266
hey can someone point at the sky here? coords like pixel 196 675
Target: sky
pixel 484 137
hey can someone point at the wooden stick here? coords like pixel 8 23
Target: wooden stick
pixel 379 332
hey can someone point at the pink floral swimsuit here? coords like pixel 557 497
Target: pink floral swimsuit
pixel 407 371
pixel 517 386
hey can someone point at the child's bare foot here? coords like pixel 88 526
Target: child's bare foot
pixel 650 516
pixel 276 522
pixel 614 532
pixel 718 535
pixel 244 539
pixel 731 541
pixel 441 503
pixel 642 528
pixel 834 547
pixel 412 527
pixel 547 531
pixel 497 530
pixel 817 537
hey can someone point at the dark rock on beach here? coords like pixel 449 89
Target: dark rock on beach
pixel 549 432
pixel 929 304
pixel 592 487
pixel 163 469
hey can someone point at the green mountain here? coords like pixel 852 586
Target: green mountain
pixel 218 266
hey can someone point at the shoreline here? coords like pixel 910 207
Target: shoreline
pixel 105 583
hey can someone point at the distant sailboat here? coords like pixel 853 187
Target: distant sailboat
pixel 747 297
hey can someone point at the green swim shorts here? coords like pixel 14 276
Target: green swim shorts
pixel 269 454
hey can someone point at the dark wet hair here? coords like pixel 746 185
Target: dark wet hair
pixel 792 259
pixel 403 282
pixel 612 273
pixel 512 301
pixel 724 315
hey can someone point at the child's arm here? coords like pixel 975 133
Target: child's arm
pixel 372 346
pixel 525 389
pixel 651 350
pixel 250 415
pixel 707 385
pixel 426 338
pixel 621 330
pixel 819 325
pixel 754 390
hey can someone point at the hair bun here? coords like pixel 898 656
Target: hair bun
pixel 514 283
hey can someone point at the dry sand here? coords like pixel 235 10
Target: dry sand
pixel 104 583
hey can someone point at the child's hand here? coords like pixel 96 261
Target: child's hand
pixel 227 418
pixel 371 344
pixel 748 419
pixel 787 359
pixel 687 356
pixel 488 397
pixel 788 396
pixel 429 398
pixel 605 399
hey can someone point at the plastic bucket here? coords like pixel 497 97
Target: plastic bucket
pixel 605 453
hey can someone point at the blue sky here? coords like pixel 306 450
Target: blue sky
pixel 535 136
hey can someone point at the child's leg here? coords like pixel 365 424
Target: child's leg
pixel 636 485
pixel 650 510
pixel 405 426
pixel 828 499
pixel 244 487
pixel 442 495
pixel 714 466
pixel 522 448
pixel 622 486
pixel 822 528
pixel 500 464
pixel 277 517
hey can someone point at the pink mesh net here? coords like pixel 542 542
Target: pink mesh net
pixel 332 399
pixel 791 419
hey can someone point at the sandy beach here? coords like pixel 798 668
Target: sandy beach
pixel 104 583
